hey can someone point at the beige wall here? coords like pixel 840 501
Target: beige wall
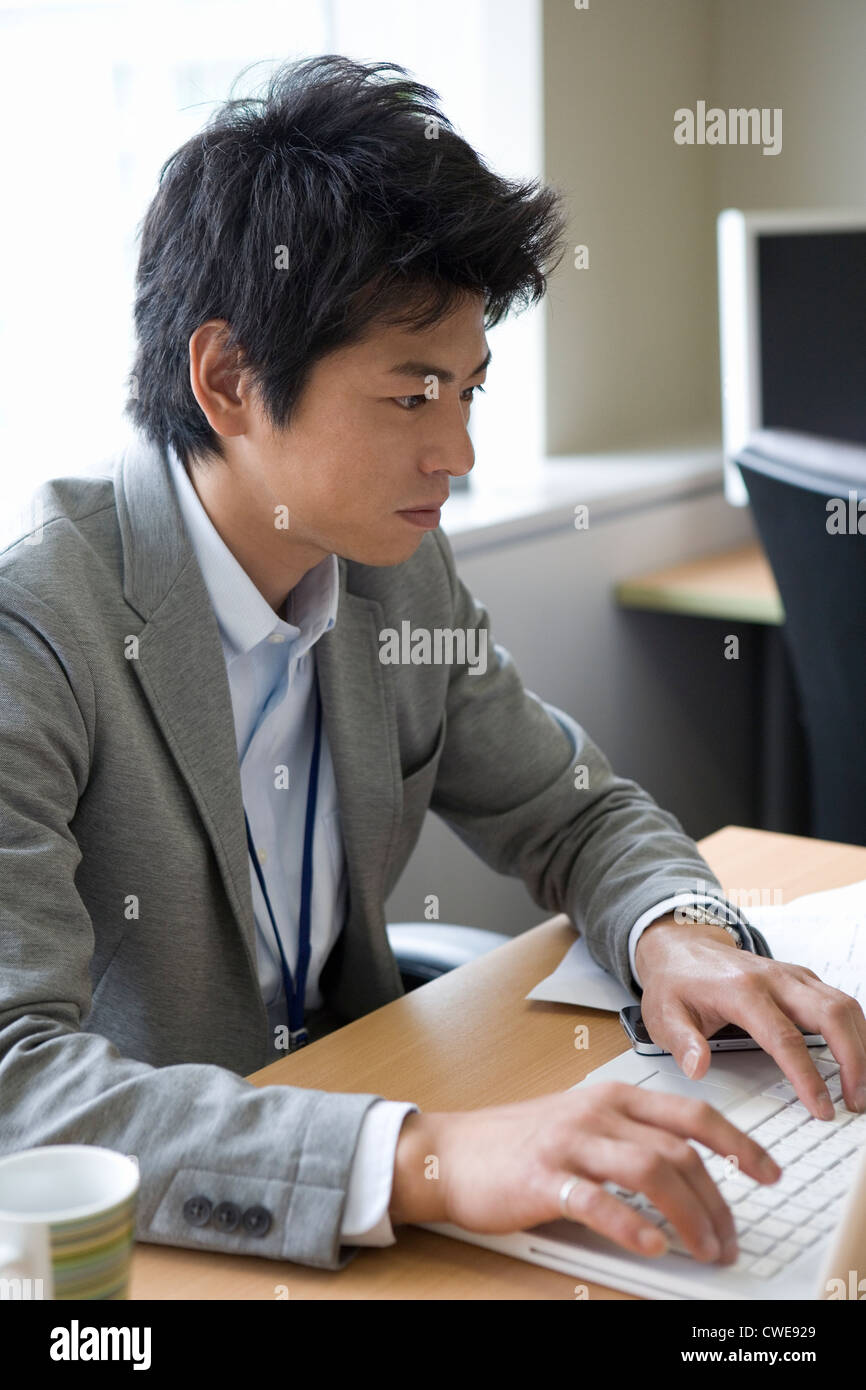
pixel 810 59
pixel 632 342
pixel 632 359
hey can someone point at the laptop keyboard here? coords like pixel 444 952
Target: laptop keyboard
pixel 777 1223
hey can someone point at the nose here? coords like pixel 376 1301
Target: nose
pixel 449 448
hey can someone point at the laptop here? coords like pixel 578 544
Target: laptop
pixel 803 1237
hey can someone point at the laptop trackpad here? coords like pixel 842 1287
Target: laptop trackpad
pixel 710 1091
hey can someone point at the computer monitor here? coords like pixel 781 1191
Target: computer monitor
pixel 792 316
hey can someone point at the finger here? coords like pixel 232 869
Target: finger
pixel 695 1119
pixel 840 1020
pixel 693 1171
pixel 592 1205
pixel 643 1166
pixel 679 1032
pixel 776 1031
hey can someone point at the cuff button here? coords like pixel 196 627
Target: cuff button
pixel 226 1216
pixel 257 1221
pixel 197 1211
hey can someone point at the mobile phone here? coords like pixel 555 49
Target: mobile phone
pixel 731 1038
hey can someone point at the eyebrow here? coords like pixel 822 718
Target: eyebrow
pixel 416 368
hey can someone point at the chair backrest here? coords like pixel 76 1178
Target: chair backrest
pixel 808 496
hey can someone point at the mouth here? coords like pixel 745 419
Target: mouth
pixel 427 517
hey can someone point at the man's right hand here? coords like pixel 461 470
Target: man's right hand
pixel 501 1169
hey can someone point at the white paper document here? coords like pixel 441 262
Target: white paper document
pixel 824 931
pixel 578 980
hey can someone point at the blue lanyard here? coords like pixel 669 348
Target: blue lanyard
pixel 295 998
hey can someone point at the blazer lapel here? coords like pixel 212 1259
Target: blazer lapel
pixel 180 664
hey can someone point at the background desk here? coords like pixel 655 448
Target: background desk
pixel 467 1040
pixel 737 586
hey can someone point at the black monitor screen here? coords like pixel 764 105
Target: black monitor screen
pixel 812 317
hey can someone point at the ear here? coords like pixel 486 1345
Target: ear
pixel 218 379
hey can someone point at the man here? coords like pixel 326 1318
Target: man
pixel 212 777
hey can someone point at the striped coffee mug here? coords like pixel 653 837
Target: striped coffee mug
pixel 67 1222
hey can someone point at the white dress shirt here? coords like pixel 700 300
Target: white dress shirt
pixel 270 666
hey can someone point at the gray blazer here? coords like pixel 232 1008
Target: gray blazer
pixel 130 1009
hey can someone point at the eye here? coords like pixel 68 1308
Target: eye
pixel 413 402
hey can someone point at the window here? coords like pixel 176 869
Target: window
pixel 94 99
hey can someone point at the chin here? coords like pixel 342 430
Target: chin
pixel 383 553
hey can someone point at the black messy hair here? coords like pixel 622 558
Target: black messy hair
pixel 341 199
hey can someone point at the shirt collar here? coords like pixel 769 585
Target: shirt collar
pixel 243 613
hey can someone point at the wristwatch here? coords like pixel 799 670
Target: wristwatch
pixel 704 916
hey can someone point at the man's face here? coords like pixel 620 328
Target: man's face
pixel 371 440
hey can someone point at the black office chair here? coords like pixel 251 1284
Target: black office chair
pixel 802 489
pixel 425 950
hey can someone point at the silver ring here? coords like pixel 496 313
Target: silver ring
pixel 564 1193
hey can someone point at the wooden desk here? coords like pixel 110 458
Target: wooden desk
pixel 466 1040
pixel 737 584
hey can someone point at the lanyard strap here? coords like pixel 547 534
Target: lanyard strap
pixel 295 998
